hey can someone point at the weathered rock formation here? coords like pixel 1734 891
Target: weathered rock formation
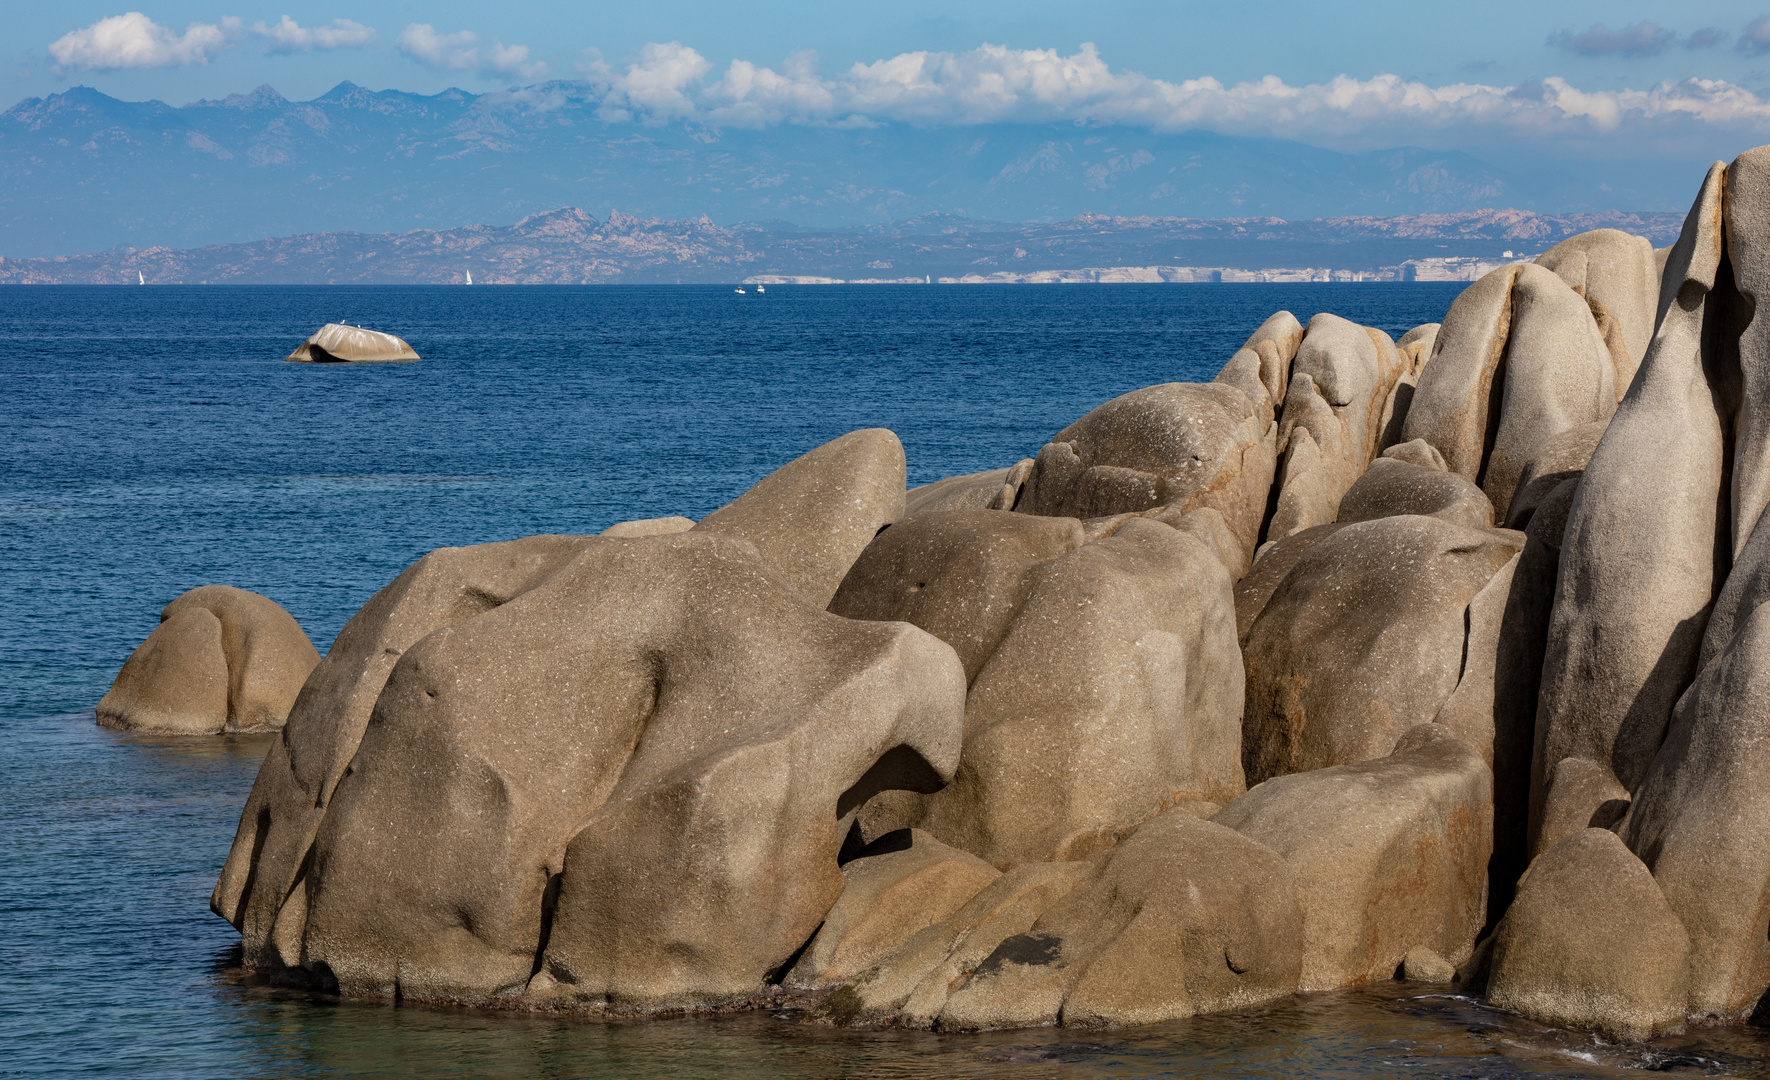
pixel 978 755
pixel 222 659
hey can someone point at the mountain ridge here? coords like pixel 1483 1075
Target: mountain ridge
pixel 82 171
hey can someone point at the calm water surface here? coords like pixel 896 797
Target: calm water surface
pixel 151 441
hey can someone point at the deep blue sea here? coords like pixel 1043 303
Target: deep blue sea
pixel 151 440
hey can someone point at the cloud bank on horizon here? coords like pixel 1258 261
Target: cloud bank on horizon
pixel 672 81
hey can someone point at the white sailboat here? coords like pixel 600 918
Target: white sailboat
pixel 927 279
pixel 760 289
pixel 740 291
pixel 469 277
pixel 140 278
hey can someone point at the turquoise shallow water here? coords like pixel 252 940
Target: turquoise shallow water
pixel 151 441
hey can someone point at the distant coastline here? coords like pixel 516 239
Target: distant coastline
pixel 569 246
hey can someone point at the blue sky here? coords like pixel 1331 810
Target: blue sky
pixel 1605 80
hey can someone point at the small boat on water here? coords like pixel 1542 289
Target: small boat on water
pixel 469 277
pixel 337 343
pixel 740 291
pixel 141 279
pixel 760 289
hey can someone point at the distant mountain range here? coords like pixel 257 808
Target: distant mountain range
pixel 569 246
pixel 83 172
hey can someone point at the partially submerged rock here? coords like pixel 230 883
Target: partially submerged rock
pixel 1387 855
pixel 664 741
pixel 1185 917
pixel 337 343
pixel 222 659
pixel 1591 943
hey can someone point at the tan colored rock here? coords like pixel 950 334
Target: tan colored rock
pixel 1277 559
pixel 910 988
pixel 1186 917
pixel 629 782
pixel 1243 371
pixel 650 527
pixel 1183 445
pixel 1306 495
pixel 1638 560
pixel 335 343
pixel 1747 390
pixel 1340 385
pixel 900 885
pixel 1417 452
pixel 1275 342
pixel 1558 375
pixel 976 491
pixel 222 659
pixel 1387 855
pixel 1415 347
pixel 1591 943
pixel 1208 527
pixel 1115 693
pixel 1697 819
pixel 811 518
pixel 1423 965
pixel 1561 458
pixel 1391 487
pixel 1351 368
pixel 326 724
pixel 1450 403
pixel 1363 640
pixel 1582 794
pixel 1618 277
pixel 961 575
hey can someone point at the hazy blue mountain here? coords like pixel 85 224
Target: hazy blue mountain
pixel 83 172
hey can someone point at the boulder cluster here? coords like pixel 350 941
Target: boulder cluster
pixel 1436 659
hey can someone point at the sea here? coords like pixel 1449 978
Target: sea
pixel 152 440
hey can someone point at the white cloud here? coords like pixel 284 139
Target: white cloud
pixel 993 83
pixel 657 82
pixel 133 40
pixel 289 36
pixel 461 51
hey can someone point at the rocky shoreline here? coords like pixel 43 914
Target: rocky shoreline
pixel 1435 658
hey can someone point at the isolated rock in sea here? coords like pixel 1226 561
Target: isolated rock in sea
pixel 1590 942
pixel 1364 638
pixel 811 518
pixel 975 491
pixel 1340 382
pixel 1391 487
pixel 222 659
pixel 1115 693
pixel 961 575
pixel 1184 445
pixel 1519 360
pixel 1698 819
pixel 504 818
pixel 650 527
pixel 303 767
pixel 1618 277
pixel 901 884
pixel 337 343
pixel 1185 917
pixel 1639 556
pixel 1387 855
